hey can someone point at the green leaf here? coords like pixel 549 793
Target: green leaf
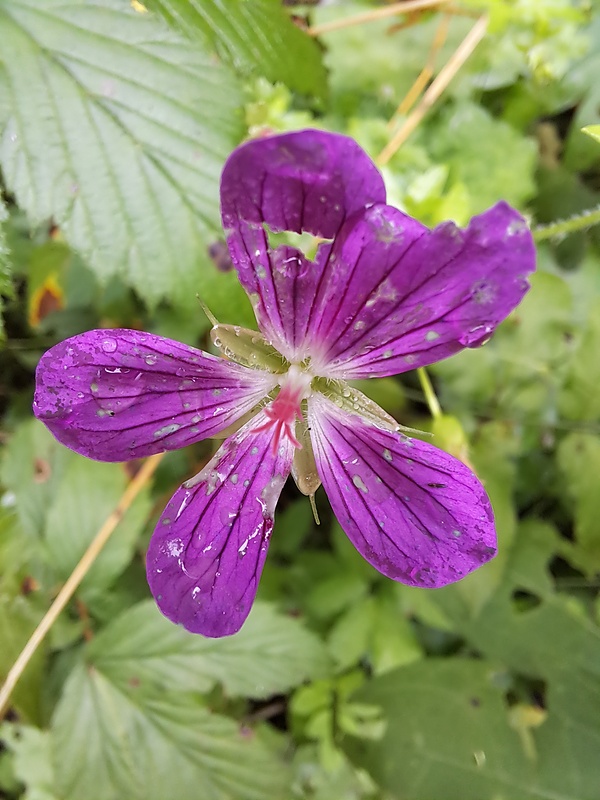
pixel 87 494
pixel 61 501
pixel 17 621
pixel 593 131
pixel 271 654
pixel 32 760
pixel 580 152
pixel 256 38
pixel 476 147
pixel 580 399
pixel 5 270
pixel 117 129
pixel 450 722
pixel 32 467
pixel 112 742
pixel 578 460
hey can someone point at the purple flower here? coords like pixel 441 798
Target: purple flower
pixel 383 295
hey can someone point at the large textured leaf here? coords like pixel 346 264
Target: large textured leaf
pixel 256 38
pixel 450 735
pixel 114 743
pixel 452 721
pixel 115 127
pixel 270 655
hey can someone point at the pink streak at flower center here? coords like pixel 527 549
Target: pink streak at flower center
pixel 283 412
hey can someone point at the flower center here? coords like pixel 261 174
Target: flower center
pixel 286 409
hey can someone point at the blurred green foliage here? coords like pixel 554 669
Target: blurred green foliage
pixel 115 121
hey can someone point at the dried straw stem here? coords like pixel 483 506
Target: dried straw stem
pixel 78 574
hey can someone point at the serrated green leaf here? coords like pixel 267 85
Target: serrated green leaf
pixel 256 38
pixel 117 129
pixel 111 743
pixel 270 655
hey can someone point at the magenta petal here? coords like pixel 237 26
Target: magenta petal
pixel 414 296
pixel 208 550
pixel 115 395
pixel 415 513
pixel 309 181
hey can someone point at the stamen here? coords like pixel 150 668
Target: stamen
pixel 286 409
pixel 313 505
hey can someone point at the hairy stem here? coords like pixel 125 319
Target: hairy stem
pixel 562 227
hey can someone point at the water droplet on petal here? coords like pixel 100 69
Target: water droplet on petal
pixel 167 429
pixel 476 336
pixel 360 484
pixel 175 548
pixel 109 345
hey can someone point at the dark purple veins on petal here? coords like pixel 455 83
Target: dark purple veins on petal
pixel 396 296
pixel 309 181
pixel 115 395
pixel 209 547
pixel 417 514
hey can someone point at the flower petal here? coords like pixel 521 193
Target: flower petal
pixel 410 296
pixel 309 181
pixel 115 395
pixel 208 550
pixel 415 513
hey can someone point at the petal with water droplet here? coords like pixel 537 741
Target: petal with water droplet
pixel 410 296
pixel 306 181
pixel 417 514
pixel 115 395
pixel 209 547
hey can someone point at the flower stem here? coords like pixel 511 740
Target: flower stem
pixel 78 574
pixel 430 396
pixel 562 227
